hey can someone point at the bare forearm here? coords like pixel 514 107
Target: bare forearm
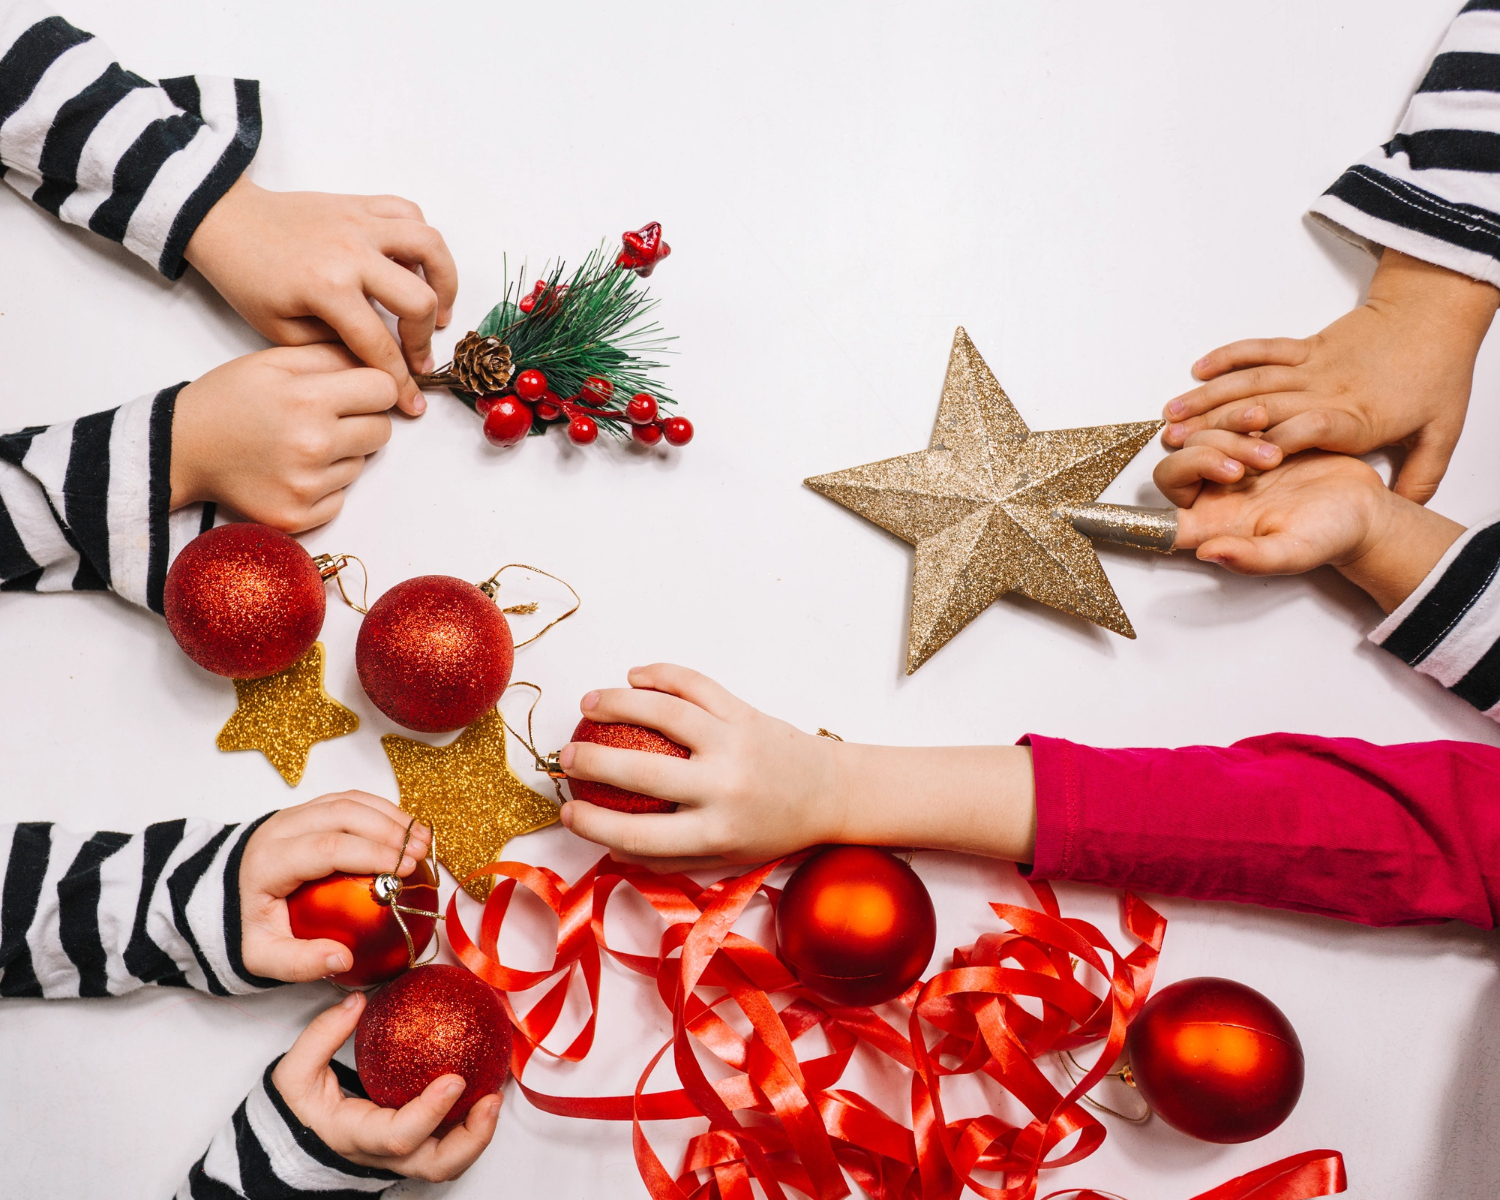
pixel 971 799
pixel 1404 543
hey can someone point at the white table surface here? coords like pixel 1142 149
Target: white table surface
pixel 1098 192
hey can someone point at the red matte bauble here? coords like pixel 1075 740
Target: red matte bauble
pixel 1216 1060
pixel 855 924
pixel 648 434
pixel 582 430
pixel 623 737
pixel 642 409
pixel 433 1021
pixel 678 431
pixel 348 909
pixel 244 601
pixel 434 653
pixel 530 384
pixel 507 422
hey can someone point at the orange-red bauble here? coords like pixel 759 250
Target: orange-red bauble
pixel 433 1021
pixel 1216 1060
pixel 434 653
pixel 623 737
pixel 856 925
pixel 244 601
pixel 356 910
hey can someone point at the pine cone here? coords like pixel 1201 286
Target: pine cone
pixel 481 365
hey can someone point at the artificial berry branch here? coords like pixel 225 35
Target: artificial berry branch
pixel 561 352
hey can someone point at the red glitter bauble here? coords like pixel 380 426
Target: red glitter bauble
pixel 244 601
pixel 507 422
pixel 434 653
pixel 856 925
pixel 678 430
pixel 354 910
pixel 648 434
pixel 623 737
pixel 433 1021
pixel 582 430
pixel 1216 1060
pixel 530 384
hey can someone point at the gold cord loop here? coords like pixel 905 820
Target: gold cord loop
pixel 395 891
pixel 1065 1057
pixel 491 586
pixel 331 566
pixel 547 765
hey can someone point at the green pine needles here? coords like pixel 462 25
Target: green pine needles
pixel 590 323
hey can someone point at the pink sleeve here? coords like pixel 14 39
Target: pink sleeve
pixel 1382 835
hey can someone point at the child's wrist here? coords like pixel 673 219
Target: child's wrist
pixel 1403 543
pixel 1456 305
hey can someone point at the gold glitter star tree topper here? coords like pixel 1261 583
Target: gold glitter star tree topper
pixel 991 508
pixel 469 795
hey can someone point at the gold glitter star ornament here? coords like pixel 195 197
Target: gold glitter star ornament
pixel 987 507
pixel 284 715
pixel 469 795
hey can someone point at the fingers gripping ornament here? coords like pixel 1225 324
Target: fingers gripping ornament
pixel 623 737
pixel 247 602
pixel 386 921
pixel 562 352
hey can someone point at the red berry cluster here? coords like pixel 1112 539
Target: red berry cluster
pixel 508 419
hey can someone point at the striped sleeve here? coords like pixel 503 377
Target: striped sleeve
pixel 1433 190
pixel 101 914
pixel 140 163
pixel 265 1153
pixel 84 505
pixel 1449 628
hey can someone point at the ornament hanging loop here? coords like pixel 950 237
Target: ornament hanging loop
pixel 331 566
pixel 548 765
pixel 1124 1075
pixel 388 888
pixel 491 587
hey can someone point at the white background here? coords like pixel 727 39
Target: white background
pixel 1098 192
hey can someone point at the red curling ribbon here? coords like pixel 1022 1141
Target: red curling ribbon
pixel 781 1121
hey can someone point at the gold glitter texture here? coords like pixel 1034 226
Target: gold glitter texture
pixel 979 504
pixel 283 715
pixel 469 795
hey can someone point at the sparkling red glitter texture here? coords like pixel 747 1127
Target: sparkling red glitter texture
pixel 244 601
pixel 344 908
pixel 1216 1060
pixel 623 737
pixel 433 1021
pixel 434 653
pixel 856 925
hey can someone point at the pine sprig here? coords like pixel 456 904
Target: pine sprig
pixel 591 323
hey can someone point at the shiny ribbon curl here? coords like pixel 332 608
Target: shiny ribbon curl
pixel 781 1121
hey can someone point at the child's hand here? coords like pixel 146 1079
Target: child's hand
pixel 753 789
pixel 278 435
pixel 302 267
pixel 1314 509
pixel 394 1139
pixel 348 831
pixel 1396 370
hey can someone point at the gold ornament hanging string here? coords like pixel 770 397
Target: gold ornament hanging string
pixel 331 566
pixel 388 888
pixel 491 586
pixel 547 765
pixel 1124 1075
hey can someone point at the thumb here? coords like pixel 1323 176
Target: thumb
pixel 319 1042
pixel 295 961
pixel 1423 470
pixel 1269 555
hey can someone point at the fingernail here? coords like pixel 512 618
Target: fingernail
pixel 428 362
pixel 350 1000
pixel 1176 408
pixel 452 1088
pixel 408 865
pixel 565 757
pixel 1200 364
pixel 1265 452
pixel 1176 431
pixel 565 815
pixel 419 404
pixel 1214 558
pixel 591 699
pixel 1231 466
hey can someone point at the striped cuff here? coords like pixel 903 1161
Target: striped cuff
pixel 266 1153
pixel 1449 628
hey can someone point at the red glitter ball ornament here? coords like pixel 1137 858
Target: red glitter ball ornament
pixel 434 653
pixel 623 737
pixel 1216 1060
pixel 244 601
pixel 356 910
pixel 856 925
pixel 507 422
pixel 433 1021
pixel 678 430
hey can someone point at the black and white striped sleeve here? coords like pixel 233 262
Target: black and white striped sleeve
pixel 98 146
pixel 1449 628
pixel 84 505
pixel 1433 190
pixel 265 1153
pixel 101 914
